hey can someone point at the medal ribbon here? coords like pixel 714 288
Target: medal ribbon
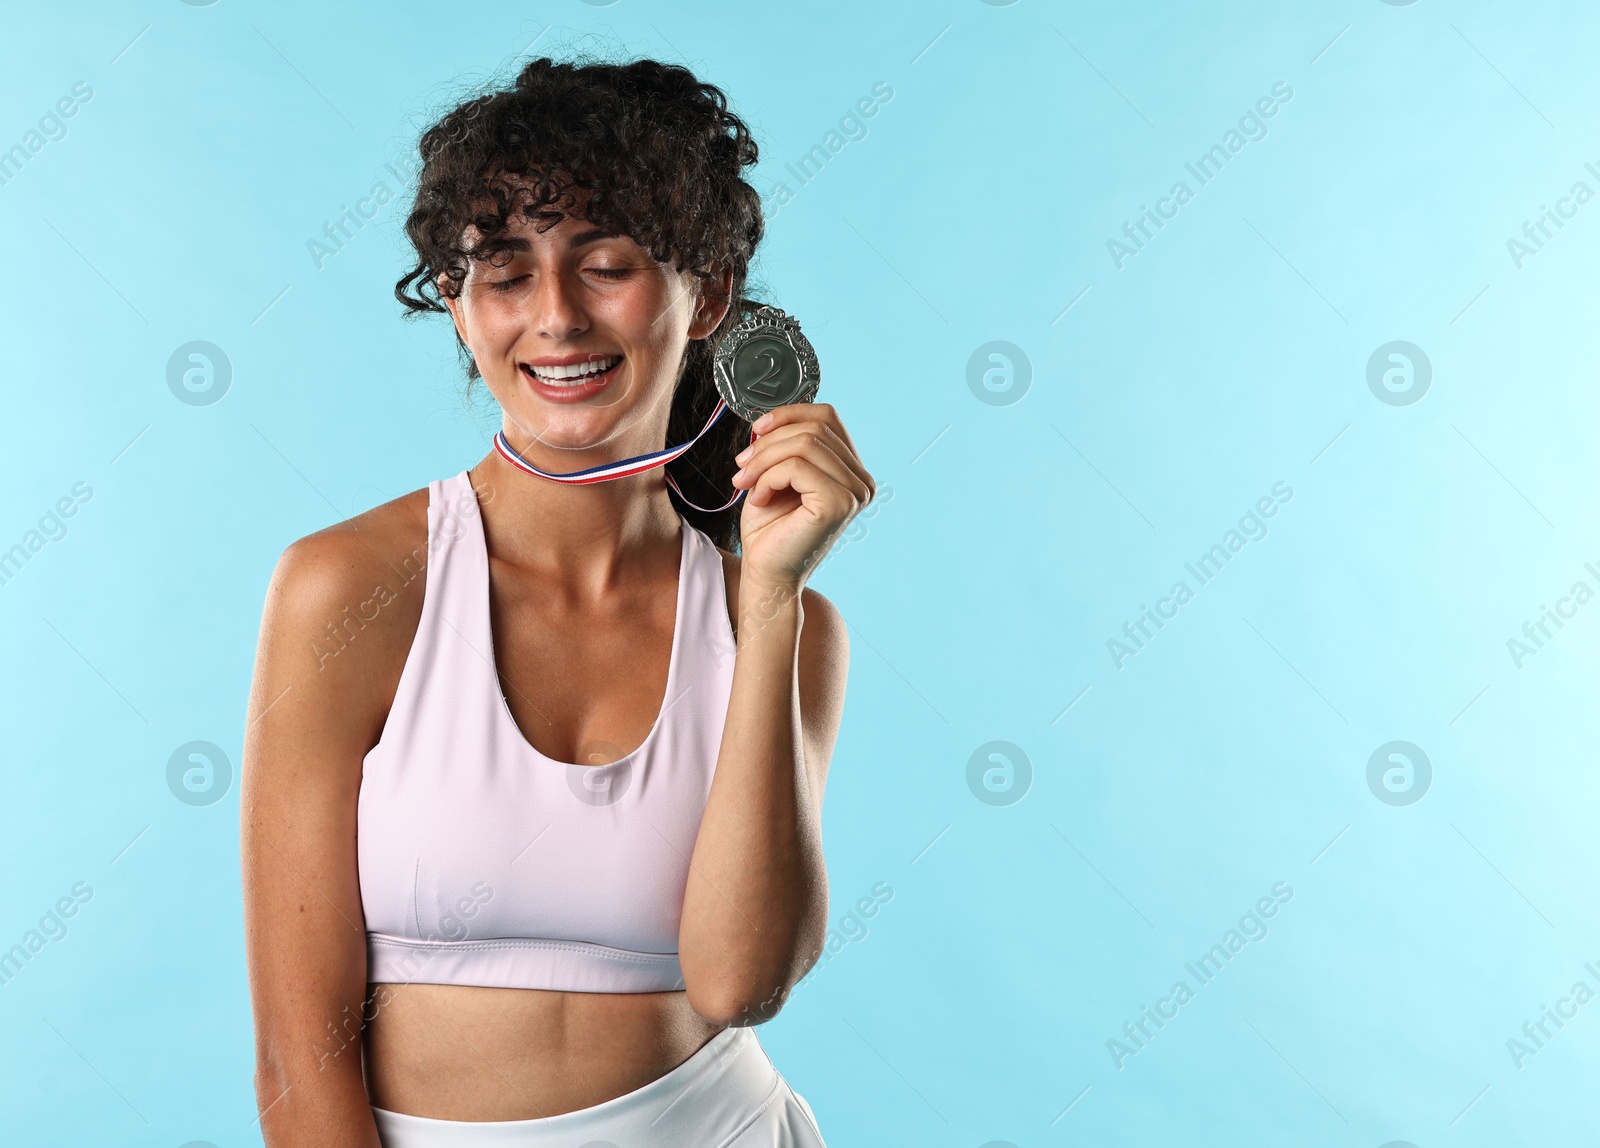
pixel 623 468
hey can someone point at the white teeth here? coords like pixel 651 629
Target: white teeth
pixel 575 373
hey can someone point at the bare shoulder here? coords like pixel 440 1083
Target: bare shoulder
pixel 340 615
pixel 340 560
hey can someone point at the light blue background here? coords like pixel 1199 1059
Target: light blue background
pixel 1223 358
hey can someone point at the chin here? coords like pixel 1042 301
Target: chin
pixel 575 428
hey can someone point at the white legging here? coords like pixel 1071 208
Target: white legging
pixel 727 1095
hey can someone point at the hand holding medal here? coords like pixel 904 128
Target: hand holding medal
pixel 805 479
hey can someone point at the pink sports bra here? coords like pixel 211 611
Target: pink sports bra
pixel 484 862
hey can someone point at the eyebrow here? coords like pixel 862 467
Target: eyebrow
pixel 593 235
pixel 519 244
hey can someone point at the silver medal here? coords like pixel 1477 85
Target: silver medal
pixel 765 362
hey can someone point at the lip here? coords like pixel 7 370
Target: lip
pixel 569 360
pixel 572 393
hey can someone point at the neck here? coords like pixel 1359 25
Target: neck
pixel 582 537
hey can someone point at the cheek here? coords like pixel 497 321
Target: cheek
pixel 498 334
pixel 646 298
pixel 495 321
pixel 649 321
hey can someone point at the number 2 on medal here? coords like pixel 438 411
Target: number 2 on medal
pixel 766 383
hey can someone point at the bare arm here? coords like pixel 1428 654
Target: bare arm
pixel 755 912
pixel 755 909
pixel 315 709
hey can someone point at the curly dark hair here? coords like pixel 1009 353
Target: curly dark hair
pixel 650 152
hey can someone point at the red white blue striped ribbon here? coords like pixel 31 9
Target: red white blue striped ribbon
pixel 623 468
pixel 737 494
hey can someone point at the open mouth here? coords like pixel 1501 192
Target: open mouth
pixel 573 374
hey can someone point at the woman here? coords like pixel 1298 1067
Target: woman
pixel 534 768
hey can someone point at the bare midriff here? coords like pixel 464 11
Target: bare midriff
pixel 458 1052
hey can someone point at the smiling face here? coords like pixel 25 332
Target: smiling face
pixel 580 337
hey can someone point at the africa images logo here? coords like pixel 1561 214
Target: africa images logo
pixel 1399 373
pixel 999 773
pixel 999 373
pixel 601 775
pixel 1252 928
pixel 199 773
pixel 1399 773
pixel 199 373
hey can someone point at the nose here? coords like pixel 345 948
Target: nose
pixel 557 311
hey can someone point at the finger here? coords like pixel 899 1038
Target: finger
pixel 796 413
pixel 813 429
pixel 819 492
pixel 810 445
pixel 820 456
pixel 790 433
pixel 836 424
pixel 799 412
pixel 829 416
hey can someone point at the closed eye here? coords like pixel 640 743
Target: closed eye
pixel 501 286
